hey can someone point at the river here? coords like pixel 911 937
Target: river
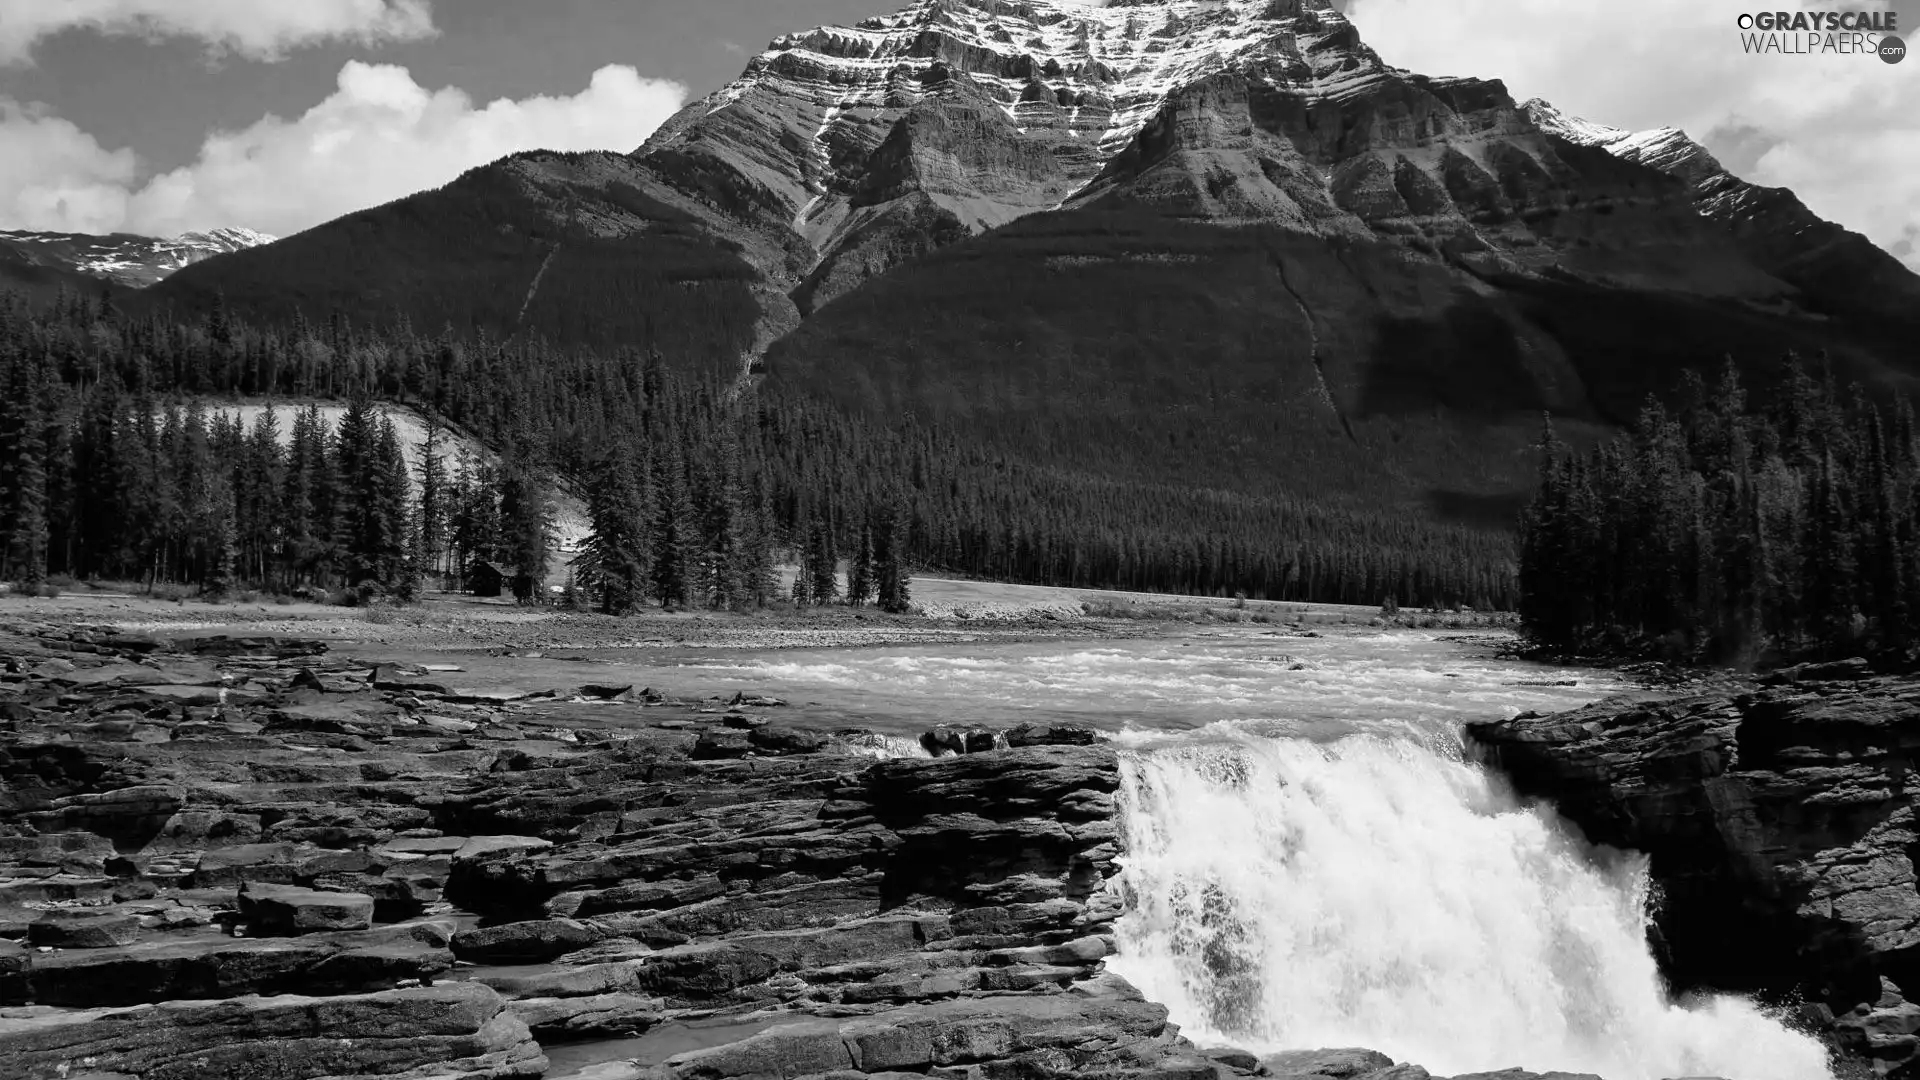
pixel 1312 859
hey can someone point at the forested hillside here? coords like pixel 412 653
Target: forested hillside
pixel 1129 344
pixel 694 490
pixel 560 247
pixel 1734 528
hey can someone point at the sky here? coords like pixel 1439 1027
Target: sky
pixel 159 116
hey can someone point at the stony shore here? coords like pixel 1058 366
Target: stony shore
pixel 258 858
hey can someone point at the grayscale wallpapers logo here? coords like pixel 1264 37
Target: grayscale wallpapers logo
pixel 1823 33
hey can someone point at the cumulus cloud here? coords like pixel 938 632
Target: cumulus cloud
pixel 1841 131
pixel 379 136
pixel 55 176
pixel 261 29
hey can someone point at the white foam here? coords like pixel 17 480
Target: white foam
pixel 1380 891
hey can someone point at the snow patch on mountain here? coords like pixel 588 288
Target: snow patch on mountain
pixel 125 258
pixel 1088 78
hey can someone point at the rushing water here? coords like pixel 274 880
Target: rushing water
pixel 1311 860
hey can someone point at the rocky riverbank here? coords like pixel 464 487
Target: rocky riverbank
pixel 1779 823
pixel 253 858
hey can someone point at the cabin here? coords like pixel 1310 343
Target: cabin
pixel 485 579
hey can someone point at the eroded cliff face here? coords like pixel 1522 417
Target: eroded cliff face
pixel 879 142
pixel 1780 827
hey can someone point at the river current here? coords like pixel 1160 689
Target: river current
pixel 1313 860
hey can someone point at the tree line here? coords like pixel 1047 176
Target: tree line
pixel 1729 530
pixel 694 486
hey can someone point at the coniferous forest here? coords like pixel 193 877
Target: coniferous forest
pixel 1733 531
pixel 119 464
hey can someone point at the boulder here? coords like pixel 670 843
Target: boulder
pixel 957 740
pixel 278 910
pixel 607 691
pixel 783 739
pixel 1343 1064
pixel 714 744
pixel 1051 735
pixel 526 942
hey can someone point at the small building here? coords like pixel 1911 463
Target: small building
pixel 485 579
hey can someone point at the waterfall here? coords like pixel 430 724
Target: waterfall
pixel 1379 891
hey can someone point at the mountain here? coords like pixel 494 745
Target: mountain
pixel 1192 241
pixel 122 258
pixel 1833 267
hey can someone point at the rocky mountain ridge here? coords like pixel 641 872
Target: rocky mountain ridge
pixel 1771 224
pixel 126 258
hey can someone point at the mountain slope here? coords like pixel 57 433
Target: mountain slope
pixel 1206 241
pixel 1836 269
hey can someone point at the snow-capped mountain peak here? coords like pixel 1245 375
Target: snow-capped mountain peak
pixel 126 258
pixel 806 116
pixel 1668 149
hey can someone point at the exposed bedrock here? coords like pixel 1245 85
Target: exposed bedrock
pixel 1780 830
pixel 252 859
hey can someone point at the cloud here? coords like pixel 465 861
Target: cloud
pixel 55 176
pixel 379 136
pixel 1841 131
pixel 260 29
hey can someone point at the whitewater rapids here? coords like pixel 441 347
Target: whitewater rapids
pixel 1372 891
pixel 1312 861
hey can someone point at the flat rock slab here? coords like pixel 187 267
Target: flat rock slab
pixel 285 910
pixel 481 846
pixel 453 1030
pixel 183 673
pixel 82 928
pixel 532 941
pixel 205 964
pixel 423 846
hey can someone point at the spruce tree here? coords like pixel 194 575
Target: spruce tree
pixel 860 584
pixel 389 542
pixel 674 535
pixel 23 464
pixel 431 521
pixel 890 577
pixel 614 562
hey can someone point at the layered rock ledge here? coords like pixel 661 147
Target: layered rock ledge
pixel 1779 824
pixel 252 859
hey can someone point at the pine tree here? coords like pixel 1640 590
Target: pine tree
pixel 860 584
pixel 357 527
pixel 527 518
pixel 673 538
pixel 389 543
pixel 431 522
pixel 891 582
pixel 23 464
pixel 823 572
pixel 614 562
